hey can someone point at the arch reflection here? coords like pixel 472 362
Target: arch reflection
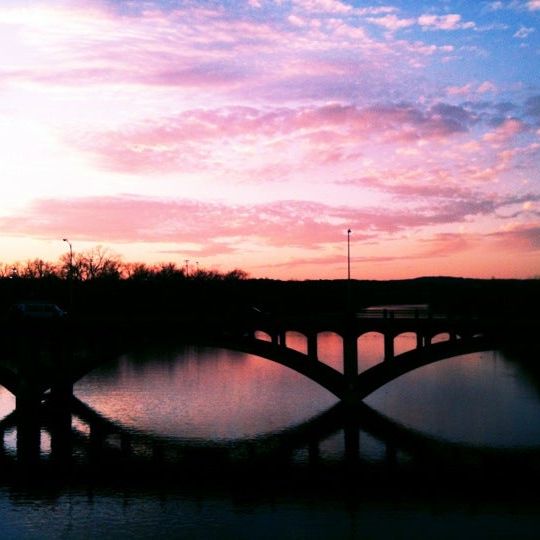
pixel 83 441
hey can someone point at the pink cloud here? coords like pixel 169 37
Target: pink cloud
pixel 392 22
pixel 190 139
pixel 459 90
pixel 195 47
pixel 324 6
pixel 507 130
pixel 441 245
pixel 487 87
pixel 452 21
pixel 279 223
pixel 522 237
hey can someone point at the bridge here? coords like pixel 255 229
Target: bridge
pixel 266 336
pixel 40 358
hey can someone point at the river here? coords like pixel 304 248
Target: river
pixel 248 449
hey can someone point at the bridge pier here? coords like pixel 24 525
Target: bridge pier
pixel 388 347
pixel 350 356
pixel 423 341
pixel 312 346
pixel 27 401
pixel 28 439
pixel 60 430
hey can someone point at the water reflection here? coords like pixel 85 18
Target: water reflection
pixel 212 398
pixel 206 393
pixel 203 393
pixel 207 421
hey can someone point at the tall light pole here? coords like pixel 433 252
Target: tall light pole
pixel 349 269
pixel 349 254
pixel 187 267
pixel 70 274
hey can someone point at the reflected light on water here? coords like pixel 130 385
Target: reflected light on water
pixel 214 394
pixel 203 393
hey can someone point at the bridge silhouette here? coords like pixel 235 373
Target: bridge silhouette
pixel 51 357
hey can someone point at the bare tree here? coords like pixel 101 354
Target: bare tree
pixel 168 271
pixel 137 271
pixel 38 269
pixel 236 275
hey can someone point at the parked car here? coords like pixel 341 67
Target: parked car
pixel 36 311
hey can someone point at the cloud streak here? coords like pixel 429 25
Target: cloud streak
pixel 258 132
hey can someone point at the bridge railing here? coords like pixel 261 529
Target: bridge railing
pixel 399 313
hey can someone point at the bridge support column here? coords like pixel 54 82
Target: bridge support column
pixel 60 421
pixel 61 444
pixel 350 357
pixel 282 337
pixel 388 347
pixel 28 411
pixel 312 346
pixel 27 401
pixel 275 338
pixel 28 440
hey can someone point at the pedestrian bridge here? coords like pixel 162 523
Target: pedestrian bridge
pixel 40 359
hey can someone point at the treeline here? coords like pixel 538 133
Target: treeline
pixel 97 282
pixel 99 263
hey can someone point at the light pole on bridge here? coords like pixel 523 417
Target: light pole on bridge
pixel 349 269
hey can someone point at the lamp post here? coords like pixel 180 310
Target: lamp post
pixel 349 254
pixel 349 269
pixel 70 274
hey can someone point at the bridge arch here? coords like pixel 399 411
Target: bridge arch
pixel 385 372
pixel 322 374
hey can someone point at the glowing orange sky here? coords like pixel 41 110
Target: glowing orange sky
pixel 253 134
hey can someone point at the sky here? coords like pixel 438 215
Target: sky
pixel 254 134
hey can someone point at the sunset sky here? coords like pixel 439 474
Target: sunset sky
pixel 254 133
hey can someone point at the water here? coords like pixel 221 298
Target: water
pixel 268 472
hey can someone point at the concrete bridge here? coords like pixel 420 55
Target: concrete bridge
pixel 267 336
pixel 40 358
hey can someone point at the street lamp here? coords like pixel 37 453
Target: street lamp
pixel 70 253
pixel 349 254
pixel 349 269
